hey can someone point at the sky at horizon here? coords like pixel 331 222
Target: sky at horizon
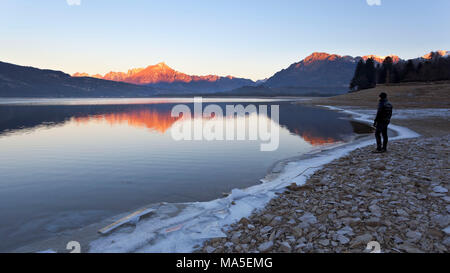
pixel 250 39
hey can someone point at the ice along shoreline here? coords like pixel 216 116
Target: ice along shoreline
pixel 184 227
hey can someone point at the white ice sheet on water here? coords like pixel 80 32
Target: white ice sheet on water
pixel 180 227
pixel 413 113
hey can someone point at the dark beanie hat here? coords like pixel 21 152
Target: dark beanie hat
pixel 383 95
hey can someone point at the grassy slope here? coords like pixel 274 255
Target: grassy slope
pixel 403 96
pixel 408 95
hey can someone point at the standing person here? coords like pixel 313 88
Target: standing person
pixel 382 121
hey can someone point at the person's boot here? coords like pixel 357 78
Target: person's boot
pixel 377 151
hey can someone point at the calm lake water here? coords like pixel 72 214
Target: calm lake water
pixel 65 164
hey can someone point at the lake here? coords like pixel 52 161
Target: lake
pixel 67 163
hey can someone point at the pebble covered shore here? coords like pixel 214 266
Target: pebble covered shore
pixel 399 199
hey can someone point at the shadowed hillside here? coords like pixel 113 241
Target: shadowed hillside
pixel 22 81
pixel 316 70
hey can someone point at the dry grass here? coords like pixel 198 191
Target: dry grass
pixel 427 127
pixel 408 95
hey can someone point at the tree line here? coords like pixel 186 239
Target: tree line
pixel 370 73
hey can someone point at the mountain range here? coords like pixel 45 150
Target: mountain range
pixel 318 74
pixel 162 76
pixel 316 70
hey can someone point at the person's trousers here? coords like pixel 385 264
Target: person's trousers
pixel 381 131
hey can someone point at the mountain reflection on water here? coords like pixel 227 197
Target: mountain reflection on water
pixel 308 123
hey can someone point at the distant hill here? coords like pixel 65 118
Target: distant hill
pixel 162 76
pixel 316 70
pixel 23 81
pixel 320 70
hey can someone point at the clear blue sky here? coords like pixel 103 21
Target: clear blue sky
pixel 245 38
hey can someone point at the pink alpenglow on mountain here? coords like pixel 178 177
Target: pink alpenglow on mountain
pixel 153 74
pixel 442 53
pixel 162 76
pixel 380 59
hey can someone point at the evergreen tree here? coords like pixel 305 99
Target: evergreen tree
pixel 419 72
pixel 371 74
pixel 395 75
pixel 409 73
pixel 356 81
pixel 386 70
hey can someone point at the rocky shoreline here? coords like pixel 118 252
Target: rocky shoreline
pixel 399 199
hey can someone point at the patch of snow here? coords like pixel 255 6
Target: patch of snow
pixel 412 113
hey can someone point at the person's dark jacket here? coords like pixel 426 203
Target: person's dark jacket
pixel 384 112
